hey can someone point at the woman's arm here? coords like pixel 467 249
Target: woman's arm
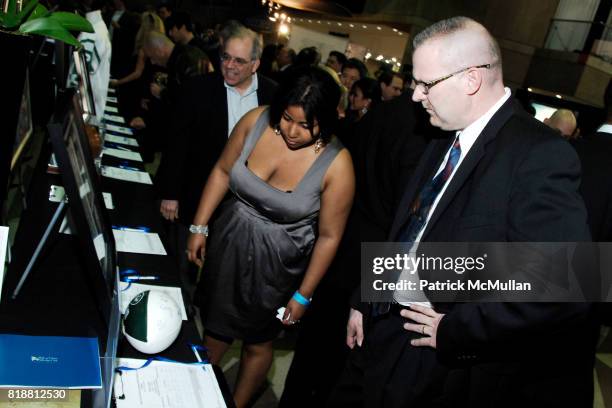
pixel 218 183
pixel 140 64
pixel 336 201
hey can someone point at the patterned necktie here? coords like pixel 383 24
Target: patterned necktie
pixel 422 205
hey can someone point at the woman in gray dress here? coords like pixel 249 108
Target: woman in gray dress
pixel 273 238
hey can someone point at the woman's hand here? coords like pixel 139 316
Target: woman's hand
pixel 196 249
pixel 293 312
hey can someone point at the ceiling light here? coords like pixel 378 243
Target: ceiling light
pixel 379 28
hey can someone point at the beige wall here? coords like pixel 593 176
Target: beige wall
pixel 385 41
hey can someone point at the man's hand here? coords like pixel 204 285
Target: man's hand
pixel 138 123
pixel 155 90
pixel 354 329
pixel 169 209
pixel 427 321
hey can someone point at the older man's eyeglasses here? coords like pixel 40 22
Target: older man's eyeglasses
pixel 426 86
pixel 241 62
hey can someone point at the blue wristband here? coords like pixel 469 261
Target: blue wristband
pixel 297 296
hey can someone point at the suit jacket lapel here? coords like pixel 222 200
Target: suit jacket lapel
pixel 220 103
pixel 429 163
pixel 471 160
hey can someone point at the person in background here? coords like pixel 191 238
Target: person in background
pixel 335 61
pixel 291 186
pixel 149 21
pixel 564 121
pixel 268 59
pixel 308 56
pixel 284 58
pixel 122 29
pixel 391 85
pixel 164 10
pixel 352 71
pixel 181 29
pixel 208 108
pixel 364 95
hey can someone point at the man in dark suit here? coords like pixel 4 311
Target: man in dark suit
pixel 502 177
pixel 595 152
pixel 206 111
pixel 123 27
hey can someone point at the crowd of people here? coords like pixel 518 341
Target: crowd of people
pixel 276 165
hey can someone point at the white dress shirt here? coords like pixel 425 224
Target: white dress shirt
pixel 238 104
pixel 467 138
pixel 605 128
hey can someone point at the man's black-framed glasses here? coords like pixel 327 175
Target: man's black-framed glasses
pixel 426 86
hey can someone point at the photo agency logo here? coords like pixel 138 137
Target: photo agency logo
pixel 486 271
pixel 411 264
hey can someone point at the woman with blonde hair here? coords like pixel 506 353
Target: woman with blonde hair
pixel 149 22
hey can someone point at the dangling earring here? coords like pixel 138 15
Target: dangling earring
pixel 277 129
pixel 364 110
pixel 318 145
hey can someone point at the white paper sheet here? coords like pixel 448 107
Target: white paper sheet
pixel 127 175
pixel 100 246
pixel 122 154
pixel 167 385
pixel 65 225
pixel 108 201
pixel 119 129
pixel 137 242
pixel 114 118
pixel 4 234
pixel 57 194
pixel 111 109
pixel 136 288
pixel 121 140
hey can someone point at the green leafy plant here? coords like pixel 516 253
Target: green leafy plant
pixel 34 18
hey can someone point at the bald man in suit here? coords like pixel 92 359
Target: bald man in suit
pixel 505 177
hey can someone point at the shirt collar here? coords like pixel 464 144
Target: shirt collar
pixel 605 128
pixel 252 88
pixel 468 136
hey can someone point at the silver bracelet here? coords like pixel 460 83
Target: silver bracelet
pixel 199 229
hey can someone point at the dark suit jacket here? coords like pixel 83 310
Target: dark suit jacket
pixel 198 136
pixel 123 57
pixel 595 154
pixel 519 182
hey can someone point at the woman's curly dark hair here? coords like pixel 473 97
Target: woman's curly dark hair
pixel 316 92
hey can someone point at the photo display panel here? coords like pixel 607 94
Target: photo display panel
pixel 85 201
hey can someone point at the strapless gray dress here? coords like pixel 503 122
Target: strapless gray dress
pixel 259 247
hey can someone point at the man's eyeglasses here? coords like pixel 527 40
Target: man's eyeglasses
pixel 241 62
pixel 426 86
